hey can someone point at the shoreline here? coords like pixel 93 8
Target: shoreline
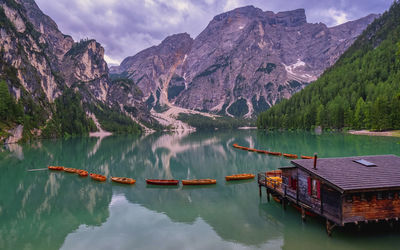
pixel 394 133
pixel 100 134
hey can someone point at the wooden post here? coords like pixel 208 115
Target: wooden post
pixel 284 203
pixel 303 214
pixel 329 227
pixel 259 190
pixel 268 198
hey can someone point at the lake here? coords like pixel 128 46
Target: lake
pixel 59 210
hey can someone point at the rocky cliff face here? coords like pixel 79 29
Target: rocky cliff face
pixel 155 68
pixel 39 63
pixel 242 63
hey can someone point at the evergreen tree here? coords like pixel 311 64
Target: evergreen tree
pixel 359 91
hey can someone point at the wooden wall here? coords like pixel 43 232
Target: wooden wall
pixel 361 210
pixel 303 187
pixel 331 203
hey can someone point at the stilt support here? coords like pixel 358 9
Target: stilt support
pixel 329 227
pixel 303 214
pixel 259 190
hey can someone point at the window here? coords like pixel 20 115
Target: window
pixel 368 196
pixel 390 195
pixel 363 197
pixel 293 183
pixel 357 197
pixel 349 198
pixel 379 196
pixel 314 188
pixel 314 191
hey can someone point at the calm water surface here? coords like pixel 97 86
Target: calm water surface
pixel 49 210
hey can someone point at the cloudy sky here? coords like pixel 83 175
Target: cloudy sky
pixel 125 27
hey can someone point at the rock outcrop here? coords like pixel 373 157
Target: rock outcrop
pixel 244 61
pixel 39 63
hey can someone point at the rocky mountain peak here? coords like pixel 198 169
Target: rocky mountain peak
pixel 242 63
pixel 246 11
pixel 291 18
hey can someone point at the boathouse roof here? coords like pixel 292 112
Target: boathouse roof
pixel 356 173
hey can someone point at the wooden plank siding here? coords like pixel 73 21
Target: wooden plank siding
pixel 331 203
pixel 375 209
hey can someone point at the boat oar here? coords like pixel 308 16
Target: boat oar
pixel 38 169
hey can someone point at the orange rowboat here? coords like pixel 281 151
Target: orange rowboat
pixel 307 157
pixel 70 170
pixel 82 173
pixel 291 156
pixel 252 149
pixel 123 180
pixel 273 173
pixel 276 199
pixel 199 182
pixel 162 182
pixel 275 153
pixel 57 168
pixel 98 177
pixel 237 177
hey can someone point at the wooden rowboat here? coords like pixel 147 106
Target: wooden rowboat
pixel 199 182
pixel 276 198
pixel 261 151
pixel 162 182
pixel 239 177
pixel 307 157
pixel 82 173
pixel 252 149
pixel 274 173
pixel 98 177
pixel 123 180
pixel 70 170
pixel 291 156
pixel 57 168
pixel 275 153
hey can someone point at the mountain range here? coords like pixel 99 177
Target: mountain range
pixel 243 62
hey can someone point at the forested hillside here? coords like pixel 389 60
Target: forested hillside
pixel 361 91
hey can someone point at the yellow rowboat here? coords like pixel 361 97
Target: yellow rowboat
pixel 239 177
pixel 199 182
pixel 123 180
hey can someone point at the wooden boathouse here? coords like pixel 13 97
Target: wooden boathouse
pixel 342 190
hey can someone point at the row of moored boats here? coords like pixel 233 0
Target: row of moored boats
pixel 294 156
pixel 125 180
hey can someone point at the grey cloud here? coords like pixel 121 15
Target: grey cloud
pixel 126 27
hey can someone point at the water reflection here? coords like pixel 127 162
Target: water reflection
pixel 47 210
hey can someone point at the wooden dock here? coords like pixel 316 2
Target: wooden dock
pixel 283 193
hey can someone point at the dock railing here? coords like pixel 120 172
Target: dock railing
pixel 278 186
pixel 271 182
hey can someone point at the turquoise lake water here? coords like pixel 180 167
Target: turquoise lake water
pixel 58 210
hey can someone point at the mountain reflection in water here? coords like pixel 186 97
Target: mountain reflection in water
pixel 50 210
